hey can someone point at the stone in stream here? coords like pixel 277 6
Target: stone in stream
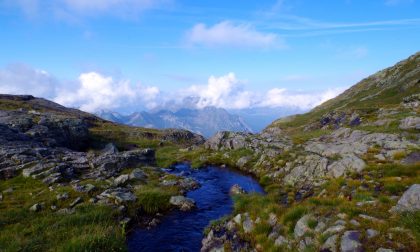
pixel 185 204
pixel 236 190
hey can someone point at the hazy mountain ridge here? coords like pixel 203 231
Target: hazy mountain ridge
pixel 206 121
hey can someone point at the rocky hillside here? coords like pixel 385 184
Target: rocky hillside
pixel 63 171
pixel 343 177
pixel 206 121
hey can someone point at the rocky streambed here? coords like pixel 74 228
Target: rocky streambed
pixel 183 230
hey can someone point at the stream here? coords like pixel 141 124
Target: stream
pixel 183 231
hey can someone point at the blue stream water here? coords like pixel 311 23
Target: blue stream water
pixel 183 231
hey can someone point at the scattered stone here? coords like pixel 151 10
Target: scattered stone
pixel 243 161
pixel 371 233
pixel 340 222
pixel 185 204
pixel 355 223
pixel 137 174
pixel 305 243
pixel 64 211
pixel 272 219
pixel 36 207
pixel 412 158
pixel 342 216
pixel 121 180
pixel 84 188
pixel 281 241
pixel 334 229
pixel 320 227
pixel 8 190
pixel 236 190
pixel 350 242
pixel 302 226
pixel 330 244
pixel 370 218
pixel 109 149
pixel 53 207
pixel 238 219
pixel 248 225
pixel 384 250
pixel 410 200
pixel 119 194
pixel 77 201
pixel 410 122
pixel 364 203
pixel 62 196
pixel 125 221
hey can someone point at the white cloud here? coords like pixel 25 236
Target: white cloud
pixel 23 79
pixel 96 92
pixel 228 92
pixel 280 97
pixel 223 92
pixel 232 35
pixel 93 91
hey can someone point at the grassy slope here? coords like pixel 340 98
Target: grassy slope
pixel 385 89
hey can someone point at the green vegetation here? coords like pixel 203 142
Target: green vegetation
pixel 153 200
pixel 90 228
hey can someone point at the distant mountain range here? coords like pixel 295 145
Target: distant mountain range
pixel 206 121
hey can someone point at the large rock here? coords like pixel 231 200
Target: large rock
pixel 112 164
pixel 301 227
pixel 349 163
pixel 411 122
pixel 350 242
pixel 312 168
pixel 185 204
pixel 410 201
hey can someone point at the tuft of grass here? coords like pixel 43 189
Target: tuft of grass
pixel 411 220
pixel 153 200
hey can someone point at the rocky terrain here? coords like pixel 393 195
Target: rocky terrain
pixel 343 177
pixel 62 160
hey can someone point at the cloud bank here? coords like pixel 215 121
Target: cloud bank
pixel 93 91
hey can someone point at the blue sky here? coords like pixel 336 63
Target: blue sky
pixel 136 54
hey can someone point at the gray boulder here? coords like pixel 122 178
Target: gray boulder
pixel 410 200
pixel 349 163
pixel 183 203
pixel 350 242
pixel 410 122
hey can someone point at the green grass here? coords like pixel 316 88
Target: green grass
pixel 412 222
pixel 90 228
pixel 153 200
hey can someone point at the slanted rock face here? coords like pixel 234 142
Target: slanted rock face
pixel 411 122
pixel 311 169
pixel 410 201
pixel 111 164
pixel 349 163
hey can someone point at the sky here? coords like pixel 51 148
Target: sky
pixel 131 55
